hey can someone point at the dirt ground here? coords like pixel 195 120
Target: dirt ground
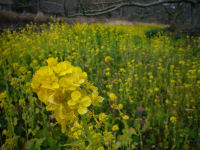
pixel 14 21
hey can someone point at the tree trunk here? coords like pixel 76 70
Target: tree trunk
pixel 196 15
pixel 174 15
pixel 65 8
pixel 38 5
pixel 70 6
pixel 121 12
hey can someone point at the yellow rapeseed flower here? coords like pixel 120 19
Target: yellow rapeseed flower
pixel 120 106
pixel 101 148
pixel 103 117
pixel 108 59
pixel 4 132
pixel 112 96
pixel 58 86
pixel 125 117
pixel 173 119
pixel 115 128
pixel 3 95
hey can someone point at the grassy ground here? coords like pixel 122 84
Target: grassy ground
pixel 150 86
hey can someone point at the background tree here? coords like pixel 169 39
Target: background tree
pixel 100 7
pixel 29 5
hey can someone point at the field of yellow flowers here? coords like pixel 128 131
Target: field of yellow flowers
pixel 96 87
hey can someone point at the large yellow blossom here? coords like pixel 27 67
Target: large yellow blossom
pixel 61 87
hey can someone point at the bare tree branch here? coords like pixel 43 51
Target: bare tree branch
pixel 24 5
pixel 137 4
pixel 53 3
pixel 168 10
pixel 113 2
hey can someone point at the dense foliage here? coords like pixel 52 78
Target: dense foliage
pixel 150 86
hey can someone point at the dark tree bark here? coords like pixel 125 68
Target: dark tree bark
pixel 196 15
pixel 70 6
pixel 174 11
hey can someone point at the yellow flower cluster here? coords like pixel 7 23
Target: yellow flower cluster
pixel 108 59
pixel 173 119
pixel 3 96
pixel 65 90
pixel 112 96
pixel 115 128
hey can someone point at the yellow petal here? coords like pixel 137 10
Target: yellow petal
pixel 52 61
pixel 65 72
pixel 63 68
pixel 50 107
pixel 94 95
pixel 71 102
pixel 82 110
pixel 86 101
pixel 51 99
pixel 76 95
pixel 61 115
pixel 81 81
pixel 100 99
pixel 44 94
pixel 63 126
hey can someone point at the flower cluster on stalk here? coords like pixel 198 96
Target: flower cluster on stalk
pixel 65 90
